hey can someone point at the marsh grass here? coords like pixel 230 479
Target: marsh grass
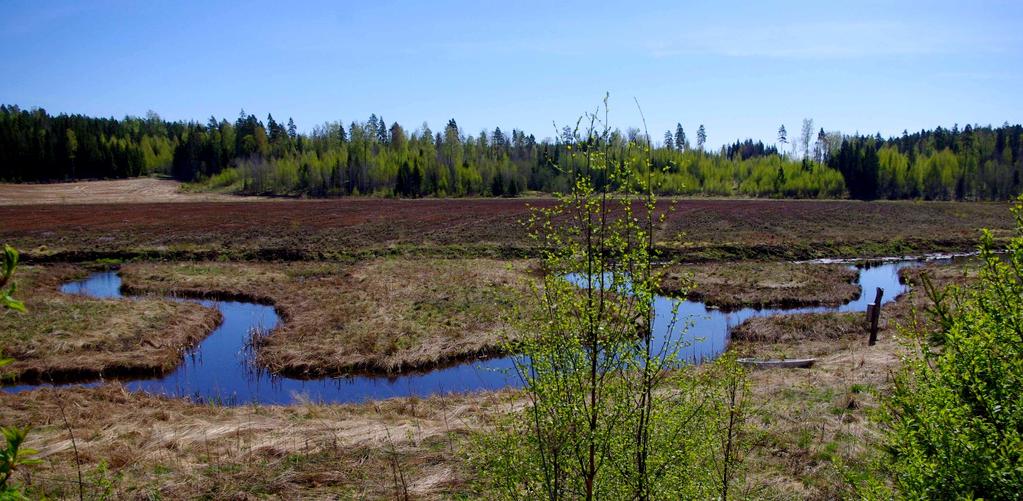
pixel 133 444
pixel 761 284
pixel 810 428
pixel 818 439
pixel 65 336
pixel 382 315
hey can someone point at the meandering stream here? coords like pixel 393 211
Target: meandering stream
pixel 220 367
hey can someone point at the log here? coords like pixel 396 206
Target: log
pixel 790 363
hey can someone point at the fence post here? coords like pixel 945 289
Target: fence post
pixel 875 315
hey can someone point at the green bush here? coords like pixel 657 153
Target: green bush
pixel 13 454
pixel 7 286
pixel 955 419
pixel 611 409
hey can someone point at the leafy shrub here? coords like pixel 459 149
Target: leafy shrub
pixel 7 286
pixel 612 411
pixel 955 420
pixel 12 456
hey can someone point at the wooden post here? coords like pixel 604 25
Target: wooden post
pixel 875 315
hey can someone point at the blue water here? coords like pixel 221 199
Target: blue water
pixel 220 368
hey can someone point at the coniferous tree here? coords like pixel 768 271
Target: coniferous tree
pixel 681 143
pixel 382 134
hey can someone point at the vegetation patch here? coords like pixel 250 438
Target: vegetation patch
pixel 382 315
pixel 134 445
pixel 69 337
pixel 812 432
pixel 816 433
pixel 816 334
pixel 697 230
pixel 762 284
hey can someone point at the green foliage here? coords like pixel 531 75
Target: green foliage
pixel 858 162
pixel 612 411
pixel 974 163
pixel 13 456
pixel 35 146
pixel 955 420
pixel 252 156
pixel 7 285
pixel 7 289
pixel 102 481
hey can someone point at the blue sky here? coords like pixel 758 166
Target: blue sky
pixel 740 68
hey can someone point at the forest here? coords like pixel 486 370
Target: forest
pixel 253 156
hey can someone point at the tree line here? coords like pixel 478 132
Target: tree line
pixel 253 156
pixel 975 163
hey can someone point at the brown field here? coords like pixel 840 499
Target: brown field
pixel 698 230
pixel 67 337
pixel 135 445
pixel 137 190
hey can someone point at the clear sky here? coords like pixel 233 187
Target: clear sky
pixel 741 68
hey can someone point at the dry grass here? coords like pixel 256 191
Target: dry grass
pixel 137 190
pixel 154 447
pixel 382 315
pixel 814 422
pixel 764 284
pixel 65 337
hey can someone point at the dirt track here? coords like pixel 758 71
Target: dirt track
pixel 139 190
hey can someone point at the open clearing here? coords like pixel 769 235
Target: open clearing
pixel 137 190
pixel 698 230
